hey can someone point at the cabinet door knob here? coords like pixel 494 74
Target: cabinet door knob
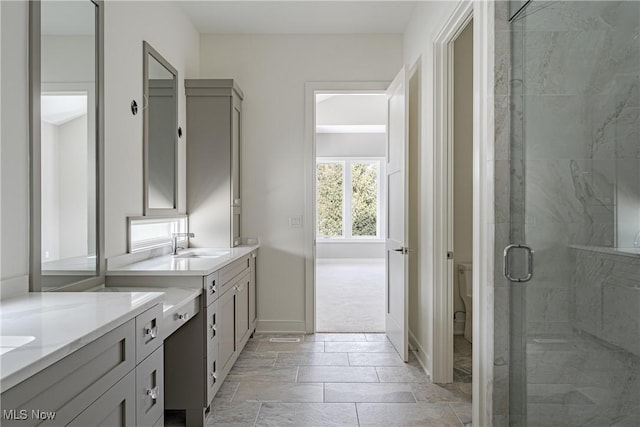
pixel 184 317
pixel 212 288
pixel 152 332
pixel 253 255
pixel 153 393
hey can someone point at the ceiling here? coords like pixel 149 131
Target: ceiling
pixel 299 17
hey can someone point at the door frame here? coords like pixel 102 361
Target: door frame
pixel 483 15
pixel 309 226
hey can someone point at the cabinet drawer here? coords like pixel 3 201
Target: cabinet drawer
pixel 213 376
pixel 211 288
pixel 232 270
pixel 70 385
pixel 180 317
pixel 212 324
pixel 115 408
pixel 150 388
pixel 148 332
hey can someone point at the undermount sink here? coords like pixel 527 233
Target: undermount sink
pixel 203 253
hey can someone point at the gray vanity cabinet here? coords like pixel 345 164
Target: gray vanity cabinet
pixel 214 121
pixel 99 384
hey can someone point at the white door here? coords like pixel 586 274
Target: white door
pixel 397 316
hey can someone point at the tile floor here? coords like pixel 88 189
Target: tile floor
pixel 350 296
pixel 462 360
pixel 324 380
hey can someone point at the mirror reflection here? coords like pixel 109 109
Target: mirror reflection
pixel 161 125
pixel 68 142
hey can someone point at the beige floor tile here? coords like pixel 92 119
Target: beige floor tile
pixel 257 359
pixel 226 391
pixel 402 374
pixel 307 415
pixel 251 391
pixel 335 337
pixel 376 337
pixel 435 393
pixel 359 347
pixel 233 414
pixel 407 414
pixel 334 374
pixel 312 359
pixel 248 373
pixel 373 392
pixel 375 359
pixel 290 346
pixel 463 411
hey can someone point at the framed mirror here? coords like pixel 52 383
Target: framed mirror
pixel 160 134
pixel 66 145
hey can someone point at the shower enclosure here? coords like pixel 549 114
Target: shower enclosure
pixel 574 335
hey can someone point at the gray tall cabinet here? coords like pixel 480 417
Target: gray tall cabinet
pixel 214 118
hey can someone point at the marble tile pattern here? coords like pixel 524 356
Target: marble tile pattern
pixel 573 179
pixel 358 384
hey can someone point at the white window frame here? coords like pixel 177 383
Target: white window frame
pixel 347 217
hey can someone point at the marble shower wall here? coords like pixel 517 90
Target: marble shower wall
pixel 502 175
pixel 580 84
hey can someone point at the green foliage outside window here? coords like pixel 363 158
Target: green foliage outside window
pixel 331 191
pixel 364 201
pixel 330 199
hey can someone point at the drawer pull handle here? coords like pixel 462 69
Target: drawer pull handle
pixel 184 317
pixel 152 332
pixel 214 377
pixel 212 288
pixel 153 393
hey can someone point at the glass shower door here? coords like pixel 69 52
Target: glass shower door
pixel 575 199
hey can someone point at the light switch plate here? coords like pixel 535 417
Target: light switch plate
pixel 295 221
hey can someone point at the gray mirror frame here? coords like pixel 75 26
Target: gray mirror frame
pixel 35 224
pixel 147 50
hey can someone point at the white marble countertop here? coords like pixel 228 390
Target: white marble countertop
pixel 174 298
pixel 183 264
pixel 40 329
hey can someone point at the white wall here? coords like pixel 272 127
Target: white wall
pixel 272 71
pixel 50 184
pixel 127 24
pixel 425 24
pixel 352 110
pixel 14 206
pixel 73 191
pixel 350 144
pixel 462 156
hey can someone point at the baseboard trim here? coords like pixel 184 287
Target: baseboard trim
pixel 281 326
pixel 423 358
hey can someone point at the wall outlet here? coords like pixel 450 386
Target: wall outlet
pixel 295 221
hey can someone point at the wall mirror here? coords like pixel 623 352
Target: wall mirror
pixel 66 116
pixel 160 134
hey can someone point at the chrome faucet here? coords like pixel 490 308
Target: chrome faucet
pixel 174 241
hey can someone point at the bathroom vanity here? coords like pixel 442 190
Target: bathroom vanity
pixel 199 355
pixel 82 359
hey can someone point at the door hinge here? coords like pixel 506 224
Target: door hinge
pixel 449 255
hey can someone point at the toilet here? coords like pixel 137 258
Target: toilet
pixel 465 286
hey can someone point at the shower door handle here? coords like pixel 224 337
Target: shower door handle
pixel 507 273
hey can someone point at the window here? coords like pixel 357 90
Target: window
pixel 348 199
pixel 149 232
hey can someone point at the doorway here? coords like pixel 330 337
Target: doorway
pixel 350 205
pixel 462 198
